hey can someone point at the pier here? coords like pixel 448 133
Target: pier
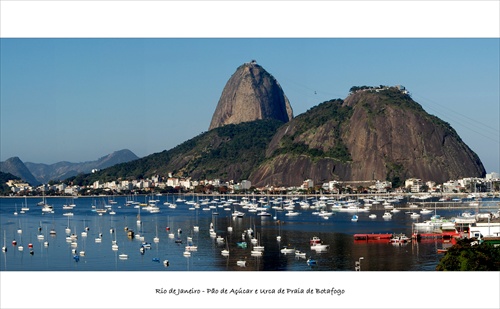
pixel 442 235
pixel 372 236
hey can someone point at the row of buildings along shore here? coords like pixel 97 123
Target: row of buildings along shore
pixel 490 185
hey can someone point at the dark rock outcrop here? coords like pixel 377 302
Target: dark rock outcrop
pixel 17 168
pixel 251 94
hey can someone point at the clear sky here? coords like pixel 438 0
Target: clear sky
pixel 77 99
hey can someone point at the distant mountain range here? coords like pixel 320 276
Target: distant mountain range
pixel 38 173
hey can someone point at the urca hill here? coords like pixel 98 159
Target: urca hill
pixel 373 134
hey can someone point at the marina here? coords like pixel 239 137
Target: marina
pixel 167 232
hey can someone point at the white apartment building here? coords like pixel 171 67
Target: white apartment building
pixel 246 184
pixel 414 184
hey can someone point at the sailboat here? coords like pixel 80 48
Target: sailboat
pixel 229 227
pixel 196 228
pixel 20 247
pixel 258 247
pixel 19 230
pixel 40 236
pixel 114 245
pixel 98 239
pixel 46 243
pixel 139 216
pixel 278 238
pixel 190 246
pixel 85 229
pixel 25 207
pixel 241 263
pixel 170 233
pixel 225 252
pixel 4 248
pixel 68 229
pixel 82 252
pixel 156 239
pixel 46 207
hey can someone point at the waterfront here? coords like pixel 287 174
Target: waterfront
pixel 62 254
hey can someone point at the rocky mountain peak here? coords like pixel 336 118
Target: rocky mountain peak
pixel 251 94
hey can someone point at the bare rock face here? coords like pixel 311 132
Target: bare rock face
pixel 251 94
pixel 371 135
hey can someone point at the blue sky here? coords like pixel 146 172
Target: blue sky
pixel 77 99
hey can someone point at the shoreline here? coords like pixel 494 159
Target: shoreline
pixel 493 202
pixel 329 195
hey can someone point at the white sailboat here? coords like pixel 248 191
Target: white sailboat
pixel 196 228
pixel 241 263
pixel 114 245
pixel 4 248
pixel 25 207
pixel 225 252
pixel 40 236
pixel 85 229
pixel 278 238
pixel 156 239
pixel 139 216
pixel 68 229
pixel 19 229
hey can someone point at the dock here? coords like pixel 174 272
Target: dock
pixel 372 236
pixel 442 235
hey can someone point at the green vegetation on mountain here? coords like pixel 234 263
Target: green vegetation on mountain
pixel 306 138
pixel 467 257
pixel 227 152
pixel 4 177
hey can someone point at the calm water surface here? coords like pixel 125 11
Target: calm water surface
pixel 337 231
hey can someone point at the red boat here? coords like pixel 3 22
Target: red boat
pixel 314 240
pixel 372 237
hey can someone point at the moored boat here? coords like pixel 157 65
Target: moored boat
pixel 414 215
pixel 241 263
pixel 319 247
pixel 300 254
pixel 399 239
pixel 425 211
pixel 287 250
pixel 387 215
pixel 315 240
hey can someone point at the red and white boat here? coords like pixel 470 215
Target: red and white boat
pixel 399 239
pixel 314 240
